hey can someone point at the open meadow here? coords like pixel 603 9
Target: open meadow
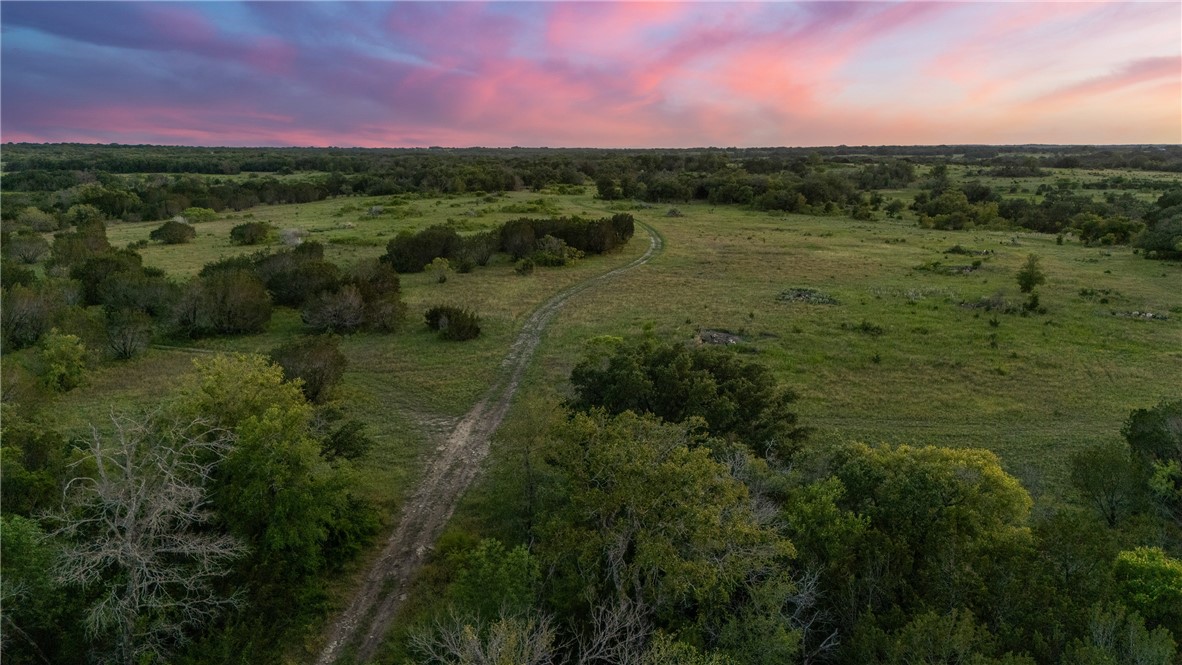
pixel 888 332
pixel 904 355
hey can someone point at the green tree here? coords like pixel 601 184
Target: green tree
pixel 938 520
pixel 642 515
pixel 62 359
pixel 173 233
pixel 493 580
pixel 274 490
pixel 1151 584
pixel 1155 436
pixel 736 398
pixel 1031 274
pixel 1108 480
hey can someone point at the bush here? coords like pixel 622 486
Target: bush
pixel 27 314
pixel 173 233
pixel 453 323
pixel 128 333
pixel 37 220
pixel 225 303
pixel 411 252
pixel 316 360
pixel 1031 274
pixel 251 233
pixel 138 290
pixel 198 215
pixel 302 280
pixel 93 271
pixel 524 267
pixel 63 361
pixel 340 311
pixel 554 252
pixel 26 248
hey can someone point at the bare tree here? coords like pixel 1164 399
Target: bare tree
pixel 131 529
pixel 618 634
pixel 524 640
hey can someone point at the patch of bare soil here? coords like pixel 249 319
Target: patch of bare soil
pixel 363 625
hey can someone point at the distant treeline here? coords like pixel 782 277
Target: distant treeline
pixel 229 161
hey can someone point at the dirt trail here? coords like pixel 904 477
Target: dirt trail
pixel 366 621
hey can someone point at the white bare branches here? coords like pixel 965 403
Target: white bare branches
pixel 525 640
pixel 132 528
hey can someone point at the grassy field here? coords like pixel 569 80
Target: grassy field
pixel 902 356
pixel 899 358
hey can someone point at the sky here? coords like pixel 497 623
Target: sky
pixel 590 74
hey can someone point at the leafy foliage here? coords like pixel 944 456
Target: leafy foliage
pixel 251 233
pixel 173 233
pixel 453 323
pixel 316 361
pixel 735 398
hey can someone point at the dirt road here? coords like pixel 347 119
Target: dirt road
pixel 363 625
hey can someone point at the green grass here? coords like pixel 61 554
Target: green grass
pixel 1034 389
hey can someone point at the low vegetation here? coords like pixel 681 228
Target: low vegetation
pixel 893 407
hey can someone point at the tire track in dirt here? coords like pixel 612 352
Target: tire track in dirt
pixel 366 621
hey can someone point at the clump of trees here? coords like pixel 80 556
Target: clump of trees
pixel 195 530
pixel 734 398
pixel 553 241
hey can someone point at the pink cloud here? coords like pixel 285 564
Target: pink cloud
pixel 1130 74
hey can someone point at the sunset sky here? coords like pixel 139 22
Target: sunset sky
pixel 591 74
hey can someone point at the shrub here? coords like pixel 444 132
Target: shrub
pixel 128 332
pixel 349 441
pixel 453 323
pixel 93 271
pixel 374 279
pixel 1163 240
pixel 138 290
pixel 27 313
pixel 524 267
pixel 251 233
pixel 315 360
pixel 224 303
pixel 302 280
pixel 26 248
pixel 412 252
pixel 554 252
pixel 1031 274
pixel 63 361
pixel 736 398
pixel 173 233
pixel 340 311
pixel 12 274
pixel 478 248
pixel 440 268
pixel 198 215
pixel 37 220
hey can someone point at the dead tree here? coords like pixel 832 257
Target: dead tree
pixel 132 529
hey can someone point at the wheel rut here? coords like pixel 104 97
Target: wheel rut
pixel 362 626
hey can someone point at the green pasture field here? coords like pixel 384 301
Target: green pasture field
pixel 1032 388
pixel 902 357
